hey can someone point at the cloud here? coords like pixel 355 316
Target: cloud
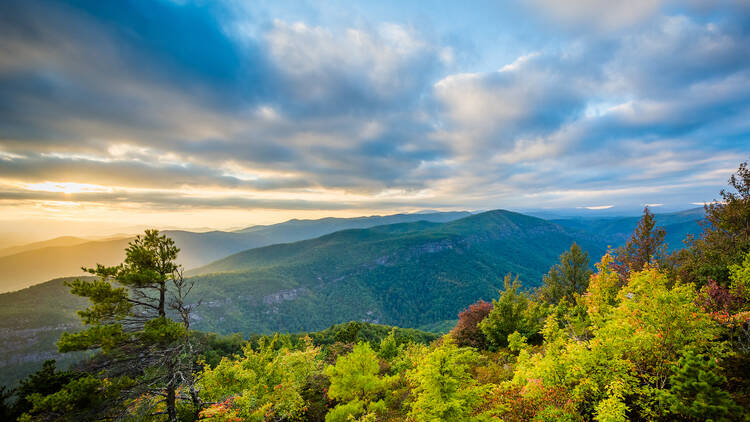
pixel 355 69
pixel 603 15
pixel 613 18
pixel 632 113
pixel 512 110
pixel 139 174
pixel 598 207
pixel 57 102
pixel 648 64
pixel 195 102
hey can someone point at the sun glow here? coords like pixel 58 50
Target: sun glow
pixel 66 187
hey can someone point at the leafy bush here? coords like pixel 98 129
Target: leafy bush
pixel 513 311
pixel 467 332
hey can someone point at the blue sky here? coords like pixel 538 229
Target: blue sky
pixel 200 113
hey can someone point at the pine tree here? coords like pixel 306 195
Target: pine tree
pixel 130 321
pixel 697 390
pixel 645 247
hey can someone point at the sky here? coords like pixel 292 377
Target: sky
pixel 196 114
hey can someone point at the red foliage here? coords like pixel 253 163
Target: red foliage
pixel 714 297
pixel 466 332
pixel 519 404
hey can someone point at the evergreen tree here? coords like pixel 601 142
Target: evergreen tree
pixel 697 390
pixel 645 247
pixel 570 276
pixel 726 235
pixel 47 380
pixel 130 321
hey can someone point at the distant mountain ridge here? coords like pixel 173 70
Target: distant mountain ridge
pixel 27 268
pixel 321 226
pixel 26 265
pixel 58 241
pixel 617 230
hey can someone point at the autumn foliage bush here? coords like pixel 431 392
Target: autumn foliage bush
pixel 467 332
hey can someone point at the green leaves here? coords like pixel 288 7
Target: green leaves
pixel 263 383
pixel 108 303
pixel 443 385
pixel 162 331
pixel 355 383
pixel 513 311
pixel 105 337
pixel 740 280
pixel 640 330
pixel 567 278
pixel 78 400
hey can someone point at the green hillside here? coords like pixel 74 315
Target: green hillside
pixel 417 274
pixel 408 274
pixel 198 249
pixel 31 322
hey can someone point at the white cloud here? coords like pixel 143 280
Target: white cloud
pixel 324 65
pixel 598 207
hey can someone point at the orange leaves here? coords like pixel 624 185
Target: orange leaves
pixel 220 411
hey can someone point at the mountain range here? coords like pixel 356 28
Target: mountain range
pixel 406 274
pixel 25 265
pixel 418 271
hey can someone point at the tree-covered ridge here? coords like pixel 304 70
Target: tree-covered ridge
pixel 615 231
pixel 278 299
pixel 31 322
pixel 409 274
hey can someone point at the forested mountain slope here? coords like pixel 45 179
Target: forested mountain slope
pixel 31 322
pixel 403 274
pixel 409 274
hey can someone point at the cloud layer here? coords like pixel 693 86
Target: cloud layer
pixel 163 105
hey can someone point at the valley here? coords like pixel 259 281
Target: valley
pixel 402 272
